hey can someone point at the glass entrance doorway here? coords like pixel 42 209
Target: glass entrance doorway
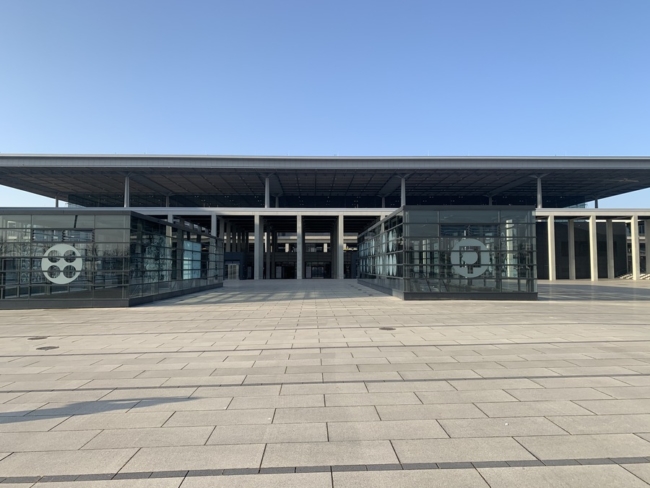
pixel 318 270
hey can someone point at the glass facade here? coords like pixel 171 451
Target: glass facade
pixel 89 258
pixel 452 252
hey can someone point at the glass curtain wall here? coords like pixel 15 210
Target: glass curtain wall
pixel 438 251
pixel 101 259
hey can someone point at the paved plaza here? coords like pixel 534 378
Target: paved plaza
pixel 326 383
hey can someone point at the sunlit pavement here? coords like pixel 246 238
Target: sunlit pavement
pixel 325 383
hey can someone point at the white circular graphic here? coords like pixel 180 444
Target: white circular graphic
pixel 470 258
pixel 62 264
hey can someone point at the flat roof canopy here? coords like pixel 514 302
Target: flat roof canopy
pixel 238 181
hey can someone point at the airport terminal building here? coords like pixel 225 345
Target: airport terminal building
pixel 417 227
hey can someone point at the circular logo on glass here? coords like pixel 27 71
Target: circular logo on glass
pixel 62 264
pixel 470 258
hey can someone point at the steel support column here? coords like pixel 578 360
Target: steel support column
pixel 539 192
pixel 258 247
pixel 593 248
pixel 572 250
pixel 609 230
pixel 300 241
pixel 403 191
pixel 127 192
pixel 551 248
pixel 340 259
pixel 636 254
pixel 267 192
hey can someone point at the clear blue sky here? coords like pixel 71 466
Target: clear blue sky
pixel 325 77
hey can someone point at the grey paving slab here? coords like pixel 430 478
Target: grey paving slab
pixel 492 384
pixel 148 394
pixel 385 430
pixel 625 392
pixel 281 401
pixel 429 412
pixel 329 454
pixel 114 421
pixel 448 478
pixel 168 436
pixel 532 409
pixel 561 477
pixel 84 408
pixel 45 441
pixel 586 446
pixel 604 424
pixel 548 394
pixel 125 483
pixel 264 434
pixel 500 427
pixel 29 423
pixel 227 417
pixel 186 458
pixel 324 414
pixel 641 471
pixel 406 386
pixel 236 391
pixel 352 399
pixel 65 462
pixel 603 407
pixel 296 480
pixel 460 450
pixel 182 404
pixel 59 396
pixel 470 396
pixel 583 382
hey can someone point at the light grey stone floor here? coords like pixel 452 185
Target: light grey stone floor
pixel 326 383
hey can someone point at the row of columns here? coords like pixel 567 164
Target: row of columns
pixel 593 248
pixel 271 239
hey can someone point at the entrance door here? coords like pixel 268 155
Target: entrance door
pixel 232 272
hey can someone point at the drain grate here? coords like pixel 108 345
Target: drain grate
pixel 386 328
pixel 47 348
pixel 37 338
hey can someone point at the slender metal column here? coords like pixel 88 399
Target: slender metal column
pixel 267 192
pixel 228 237
pixel 166 200
pixel 609 229
pixel 593 248
pixel 333 239
pixel 127 192
pixel 539 192
pixel 403 191
pixel 300 241
pixel 551 248
pixel 383 202
pixel 596 203
pixel 646 234
pixel 56 202
pixel 636 255
pixel 277 201
pixel 222 230
pixel 274 248
pixel 340 263
pixel 572 250
pixel 267 238
pixel 257 251
pixel 213 224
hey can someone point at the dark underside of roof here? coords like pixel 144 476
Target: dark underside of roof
pixel 322 182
